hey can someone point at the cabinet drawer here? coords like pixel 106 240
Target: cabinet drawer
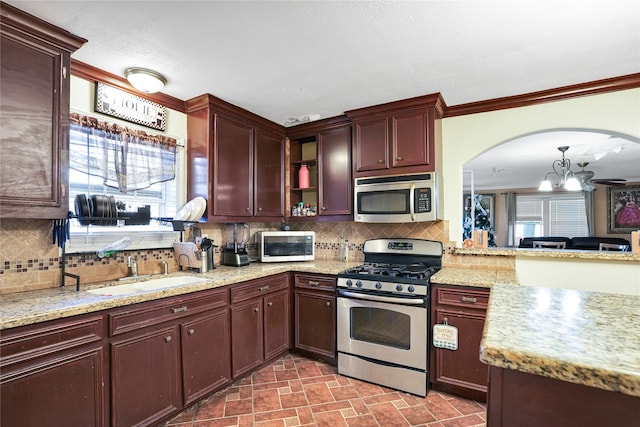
pixel 153 313
pixel 325 283
pixel 462 297
pixel 29 342
pixel 257 288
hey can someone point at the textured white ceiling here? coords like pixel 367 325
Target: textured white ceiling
pixel 283 59
pixel 288 59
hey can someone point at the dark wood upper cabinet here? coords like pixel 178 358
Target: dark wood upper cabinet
pixel 34 106
pixel 235 161
pixel 325 146
pixel 396 138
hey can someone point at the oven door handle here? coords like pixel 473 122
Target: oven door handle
pixel 378 298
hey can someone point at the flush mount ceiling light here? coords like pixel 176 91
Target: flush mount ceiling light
pixel 563 174
pixel 145 80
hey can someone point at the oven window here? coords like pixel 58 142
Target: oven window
pixel 379 326
pixel 287 245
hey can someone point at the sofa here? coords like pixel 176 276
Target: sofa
pixel 577 243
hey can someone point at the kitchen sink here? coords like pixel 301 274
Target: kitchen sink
pixel 147 285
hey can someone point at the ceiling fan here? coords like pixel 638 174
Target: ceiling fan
pixel 586 178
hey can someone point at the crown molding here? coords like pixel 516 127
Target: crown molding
pixel 629 81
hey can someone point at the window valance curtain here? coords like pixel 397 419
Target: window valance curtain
pixel 127 159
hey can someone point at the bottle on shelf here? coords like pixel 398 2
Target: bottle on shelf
pixel 303 176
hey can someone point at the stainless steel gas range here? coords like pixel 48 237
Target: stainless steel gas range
pixel 383 314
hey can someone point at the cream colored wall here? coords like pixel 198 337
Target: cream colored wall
pixel 83 101
pixel 465 137
pixel 585 275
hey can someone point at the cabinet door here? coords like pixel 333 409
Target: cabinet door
pixel 246 336
pixel 206 363
pixel 315 314
pixel 233 168
pixel 34 147
pixel 269 175
pixel 371 144
pixel 276 324
pixel 334 165
pixel 409 139
pixel 56 391
pixel 461 370
pixel 145 377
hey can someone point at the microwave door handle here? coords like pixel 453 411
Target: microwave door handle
pixel 411 202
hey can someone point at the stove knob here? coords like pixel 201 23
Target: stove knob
pixel 359 283
pixel 378 285
pixel 399 288
pixel 411 288
pixel 349 282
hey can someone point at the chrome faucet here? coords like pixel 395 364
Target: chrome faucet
pixel 133 266
pixel 165 267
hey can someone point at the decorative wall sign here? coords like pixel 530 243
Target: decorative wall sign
pixel 624 209
pixel 123 105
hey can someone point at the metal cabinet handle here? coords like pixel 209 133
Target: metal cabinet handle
pixel 379 161
pixel 256 309
pixel 191 332
pixel 469 299
pixel 264 288
pixel 324 208
pixel 167 338
pixel 270 304
pixel 398 158
pixel 328 303
pixel 179 309
pixel 313 283
pixel 248 209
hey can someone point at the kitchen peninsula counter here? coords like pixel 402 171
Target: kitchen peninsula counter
pixel 480 277
pixel 31 307
pixel 573 353
pixel 551 253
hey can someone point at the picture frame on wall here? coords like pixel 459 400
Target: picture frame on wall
pixel 623 214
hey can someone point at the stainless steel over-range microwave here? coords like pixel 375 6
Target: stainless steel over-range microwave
pixel 284 246
pixel 396 198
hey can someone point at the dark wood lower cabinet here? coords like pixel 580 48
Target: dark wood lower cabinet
pixel 246 336
pixel 65 390
pixel 145 377
pixel 53 374
pixel 206 363
pixel 315 315
pixel 259 322
pixel 527 400
pixel 460 371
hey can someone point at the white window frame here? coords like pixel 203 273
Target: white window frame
pixel 546 216
pixel 142 237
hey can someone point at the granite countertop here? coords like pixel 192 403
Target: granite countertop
pixel 26 308
pixel 588 338
pixel 551 253
pixel 481 278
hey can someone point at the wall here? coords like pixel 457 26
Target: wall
pixel 465 137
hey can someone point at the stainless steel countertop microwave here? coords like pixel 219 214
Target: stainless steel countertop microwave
pixel 397 198
pixel 285 246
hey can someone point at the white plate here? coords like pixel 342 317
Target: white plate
pixel 198 206
pixel 183 214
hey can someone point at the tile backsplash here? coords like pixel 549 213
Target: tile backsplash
pixel 29 260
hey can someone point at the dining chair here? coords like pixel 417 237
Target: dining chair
pixel 613 247
pixel 549 244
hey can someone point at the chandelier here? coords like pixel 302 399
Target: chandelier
pixel 564 176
